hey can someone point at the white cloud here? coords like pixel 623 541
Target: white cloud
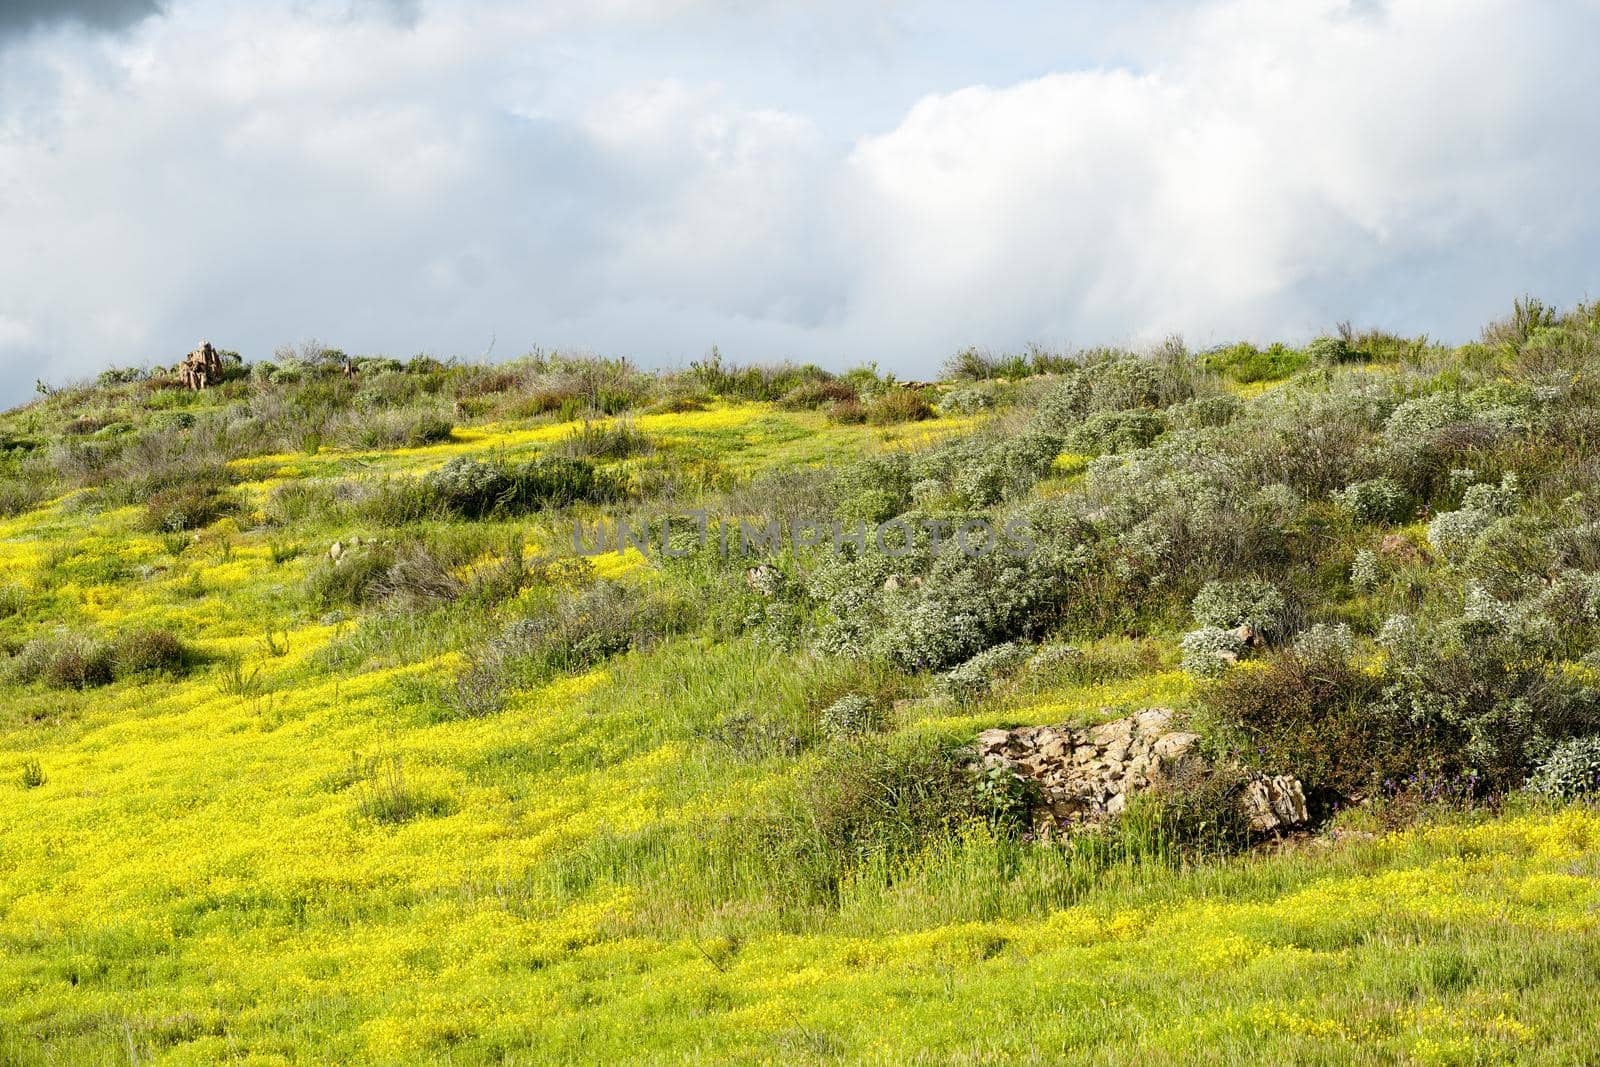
pixel 259 173
pixel 1281 167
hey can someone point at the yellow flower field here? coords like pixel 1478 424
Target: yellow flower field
pixel 284 856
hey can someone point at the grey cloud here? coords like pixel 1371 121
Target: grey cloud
pixel 18 16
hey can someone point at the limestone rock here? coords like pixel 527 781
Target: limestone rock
pixel 201 368
pixel 1087 775
pixel 1277 803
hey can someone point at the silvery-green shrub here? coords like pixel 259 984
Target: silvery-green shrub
pixel 967 401
pixel 1053 658
pixel 1208 651
pixel 1107 432
pixel 850 716
pixel 1204 411
pixel 977 675
pixel 1376 500
pixel 1571 769
pixel 1330 351
pixel 927 491
pixel 1252 602
pixel 1453 533
pixel 1365 572
pixel 1326 642
pixel 1415 420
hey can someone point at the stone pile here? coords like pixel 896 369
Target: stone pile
pixel 1087 775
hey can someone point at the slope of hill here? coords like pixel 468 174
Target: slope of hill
pixel 330 733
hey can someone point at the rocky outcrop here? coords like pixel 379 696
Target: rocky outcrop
pixel 201 368
pixel 1087 775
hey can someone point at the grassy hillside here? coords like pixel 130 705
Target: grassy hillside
pixel 320 742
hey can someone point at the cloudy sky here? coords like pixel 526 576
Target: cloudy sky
pixel 831 181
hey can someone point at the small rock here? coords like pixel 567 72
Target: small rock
pixel 1153 721
pixel 990 739
pixel 1108 732
pixel 1173 747
pixel 1250 637
pixel 1277 803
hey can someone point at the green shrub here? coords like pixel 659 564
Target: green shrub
pixel 878 800
pixel 475 488
pixel 1313 718
pixel 1193 813
pixel 1481 686
pixel 1415 421
pixel 814 394
pixel 1365 571
pixel 1528 316
pixel 1204 412
pixel 1454 533
pixel 1326 643
pixel 848 412
pixel 754 736
pixel 186 508
pixel 572 633
pixel 1511 556
pixel 1056 660
pixel 149 650
pixel 63 661
pixel 599 440
pixel 13 598
pixel 32 774
pixel 351 579
pixel 898 405
pixel 397 428
pixel 1064 403
pixel 1122 381
pixel 17 496
pixel 384 796
pixel 1331 351
pixel 1244 362
pixel 971 364
pixel 976 364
